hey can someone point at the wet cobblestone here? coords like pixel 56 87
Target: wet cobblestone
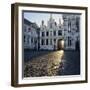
pixel 46 65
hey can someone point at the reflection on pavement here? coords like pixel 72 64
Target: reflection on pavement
pixel 49 64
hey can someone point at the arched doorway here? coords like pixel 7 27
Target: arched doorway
pixel 60 44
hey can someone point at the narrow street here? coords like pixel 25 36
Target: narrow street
pixel 52 63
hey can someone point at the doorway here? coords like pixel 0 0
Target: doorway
pixel 60 44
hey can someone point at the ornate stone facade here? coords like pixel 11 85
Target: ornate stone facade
pixel 50 34
pixel 48 37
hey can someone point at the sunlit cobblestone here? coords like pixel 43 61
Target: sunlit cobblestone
pixel 45 65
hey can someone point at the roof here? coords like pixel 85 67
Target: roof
pixel 27 22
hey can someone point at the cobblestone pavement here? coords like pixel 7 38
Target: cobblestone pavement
pixel 46 65
pixel 71 63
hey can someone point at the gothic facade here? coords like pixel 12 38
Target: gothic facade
pixel 50 34
pixel 48 37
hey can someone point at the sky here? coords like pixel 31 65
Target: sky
pixel 37 17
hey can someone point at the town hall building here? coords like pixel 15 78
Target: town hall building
pixel 51 34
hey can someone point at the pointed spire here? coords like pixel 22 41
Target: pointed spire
pixel 60 21
pixel 42 22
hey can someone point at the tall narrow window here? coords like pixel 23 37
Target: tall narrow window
pixel 54 33
pixel 54 40
pixel 24 38
pixel 50 33
pixel 46 41
pixel 50 41
pixel 43 34
pixel 69 41
pixel 47 33
pixel 28 39
pixel 42 41
pixel 31 40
